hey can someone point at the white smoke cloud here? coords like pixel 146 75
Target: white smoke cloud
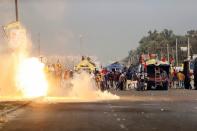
pixel 82 88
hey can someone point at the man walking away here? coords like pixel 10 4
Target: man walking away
pixel 121 81
pixel 187 75
pixel 195 74
pixel 181 78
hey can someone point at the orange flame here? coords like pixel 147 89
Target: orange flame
pixel 31 78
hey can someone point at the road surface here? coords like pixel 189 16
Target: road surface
pixel 174 110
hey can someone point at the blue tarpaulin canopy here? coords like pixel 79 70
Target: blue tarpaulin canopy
pixel 115 66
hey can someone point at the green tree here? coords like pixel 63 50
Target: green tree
pixel 156 42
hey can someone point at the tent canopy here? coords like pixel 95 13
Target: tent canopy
pixel 116 66
pixel 85 64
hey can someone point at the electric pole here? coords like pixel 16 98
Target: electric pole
pixel 16 9
pixel 188 49
pixel 39 44
pixel 81 44
pixel 168 53
pixel 177 63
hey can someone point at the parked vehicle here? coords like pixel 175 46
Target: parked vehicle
pixel 157 75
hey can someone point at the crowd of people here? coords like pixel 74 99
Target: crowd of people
pixel 120 79
pixel 125 80
pixel 185 78
pixel 57 74
pixel 115 79
pixel 104 79
pixel 182 79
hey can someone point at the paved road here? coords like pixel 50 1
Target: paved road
pixel 135 111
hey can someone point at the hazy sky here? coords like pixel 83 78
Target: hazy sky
pixel 110 28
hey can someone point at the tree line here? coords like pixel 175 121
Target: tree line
pixel 157 42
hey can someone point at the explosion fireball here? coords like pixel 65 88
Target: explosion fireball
pixel 31 78
pixel 25 76
pixel 28 73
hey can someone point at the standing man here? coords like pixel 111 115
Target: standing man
pixel 181 78
pixel 195 74
pixel 187 75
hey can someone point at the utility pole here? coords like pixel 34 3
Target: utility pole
pixel 39 49
pixel 168 53
pixel 173 54
pixel 81 46
pixel 39 44
pixel 161 54
pixel 177 63
pixel 188 49
pixel 16 9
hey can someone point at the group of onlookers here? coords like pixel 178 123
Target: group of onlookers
pixel 177 79
pixel 183 79
pixel 117 80
pixel 124 80
pixel 57 75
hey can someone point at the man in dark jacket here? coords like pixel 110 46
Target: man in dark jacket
pixel 195 74
pixel 187 75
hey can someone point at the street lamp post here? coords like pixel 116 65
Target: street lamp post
pixel 188 49
pixel 177 63
pixel 81 44
pixel 168 53
pixel 16 9
pixel 39 48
